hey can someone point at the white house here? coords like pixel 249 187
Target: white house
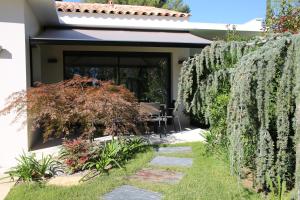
pixel 48 41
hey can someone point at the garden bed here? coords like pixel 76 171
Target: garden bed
pixel 208 178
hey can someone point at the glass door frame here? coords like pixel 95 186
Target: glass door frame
pixel 125 54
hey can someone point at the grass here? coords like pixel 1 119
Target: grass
pixel 207 179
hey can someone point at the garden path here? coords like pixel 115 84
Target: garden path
pixel 154 175
pixel 186 135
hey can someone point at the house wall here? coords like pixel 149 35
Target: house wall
pixel 16 23
pixel 53 72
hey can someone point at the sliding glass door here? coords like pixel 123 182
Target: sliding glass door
pixel 145 74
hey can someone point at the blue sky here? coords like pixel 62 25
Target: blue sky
pixel 225 11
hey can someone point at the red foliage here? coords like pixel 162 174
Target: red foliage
pixel 288 23
pixel 76 153
pixel 80 105
pixel 287 20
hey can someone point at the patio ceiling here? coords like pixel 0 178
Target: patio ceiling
pixel 119 38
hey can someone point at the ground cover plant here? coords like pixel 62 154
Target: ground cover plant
pixel 208 178
pixel 247 92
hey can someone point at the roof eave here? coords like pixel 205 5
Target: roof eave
pixel 34 41
pixel 45 11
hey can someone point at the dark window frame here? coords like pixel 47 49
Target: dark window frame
pixel 166 55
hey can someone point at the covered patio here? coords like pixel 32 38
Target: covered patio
pixel 146 62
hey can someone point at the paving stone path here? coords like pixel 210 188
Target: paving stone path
pixel 157 176
pixel 172 161
pixel 132 193
pixel 174 150
pixel 153 175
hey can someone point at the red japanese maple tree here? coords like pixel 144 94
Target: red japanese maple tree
pixel 80 105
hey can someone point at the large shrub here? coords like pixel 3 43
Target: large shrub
pixel 262 81
pixel 204 84
pixel 77 106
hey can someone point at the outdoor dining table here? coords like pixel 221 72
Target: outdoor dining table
pixel 152 114
pixel 150 109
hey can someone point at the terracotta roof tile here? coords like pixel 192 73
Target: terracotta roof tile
pixel 116 9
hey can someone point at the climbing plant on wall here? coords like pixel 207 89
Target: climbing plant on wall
pixel 260 79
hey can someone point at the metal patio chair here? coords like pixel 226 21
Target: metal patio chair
pixel 169 113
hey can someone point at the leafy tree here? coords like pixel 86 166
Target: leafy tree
pixel 177 5
pixel 276 5
pixel 283 16
pixel 78 106
pixel 129 2
pixel 263 81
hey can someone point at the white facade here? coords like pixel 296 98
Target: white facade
pixel 17 23
pixel 22 19
pixel 206 30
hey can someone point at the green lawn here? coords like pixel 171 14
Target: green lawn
pixel 209 178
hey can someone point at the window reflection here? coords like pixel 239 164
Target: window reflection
pixel 147 75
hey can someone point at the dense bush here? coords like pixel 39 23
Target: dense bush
pixel 206 78
pixel 257 82
pixel 31 169
pixel 76 153
pixel 217 135
pixel 77 106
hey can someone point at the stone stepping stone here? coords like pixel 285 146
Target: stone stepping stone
pixel 158 176
pixel 131 193
pixel 174 150
pixel 172 161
